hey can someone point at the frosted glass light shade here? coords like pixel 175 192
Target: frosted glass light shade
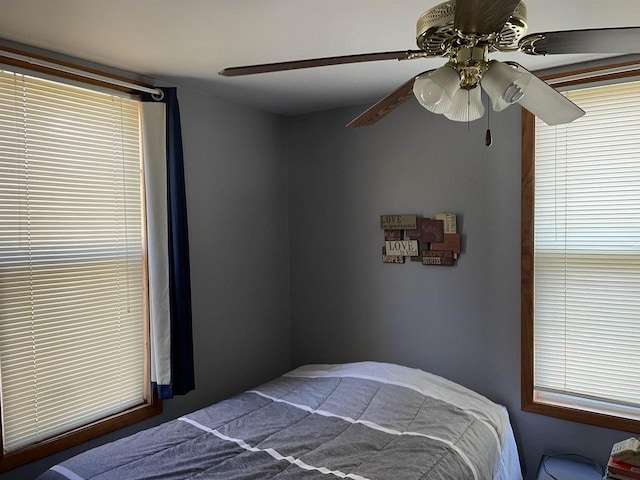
pixel 435 90
pixel 504 84
pixel 466 105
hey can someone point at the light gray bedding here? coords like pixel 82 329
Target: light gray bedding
pixel 360 421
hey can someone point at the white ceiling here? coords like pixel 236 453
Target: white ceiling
pixel 189 41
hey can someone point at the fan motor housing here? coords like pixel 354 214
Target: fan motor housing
pixel 436 35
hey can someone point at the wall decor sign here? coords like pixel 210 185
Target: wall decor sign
pixel 391 258
pixel 405 248
pixel 435 241
pixel 437 257
pixel 398 222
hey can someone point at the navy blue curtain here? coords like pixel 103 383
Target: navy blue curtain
pixel 182 364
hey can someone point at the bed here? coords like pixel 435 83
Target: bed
pixel 362 421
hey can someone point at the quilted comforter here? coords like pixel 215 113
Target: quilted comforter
pixel 360 421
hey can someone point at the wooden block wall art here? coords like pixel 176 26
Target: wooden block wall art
pixel 451 242
pixel 431 241
pixel 450 223
pixel 405 248
pixel 391 258
pixel 398 222
pixel 437 257
pixel 390 235
pixel 431 230
pixel 413 234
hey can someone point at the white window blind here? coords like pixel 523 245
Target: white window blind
pixel 71 258
pixel 587 254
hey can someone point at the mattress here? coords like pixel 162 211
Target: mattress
pixel 362 421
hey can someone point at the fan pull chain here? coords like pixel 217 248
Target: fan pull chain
pixel 468 110
pixel 487 138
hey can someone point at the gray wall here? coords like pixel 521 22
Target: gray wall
pixel 236 180
pixel 270 198
pixel 461 322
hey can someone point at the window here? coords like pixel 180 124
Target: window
pixel 581 257
pixel 73 305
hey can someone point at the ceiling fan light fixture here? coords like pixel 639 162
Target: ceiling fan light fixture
pixel 504 84
pixel 435 90
pixel 512 94
pixel 466 105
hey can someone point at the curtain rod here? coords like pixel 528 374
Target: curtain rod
pixel 155 92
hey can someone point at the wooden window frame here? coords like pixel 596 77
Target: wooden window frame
pixel 528 401
pixel 152 405
pixel 9 461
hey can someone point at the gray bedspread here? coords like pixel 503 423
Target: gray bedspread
pixel 314 424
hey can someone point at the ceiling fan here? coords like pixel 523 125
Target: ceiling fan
pixel 466 32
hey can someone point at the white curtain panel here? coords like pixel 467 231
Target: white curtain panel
pixel 155 172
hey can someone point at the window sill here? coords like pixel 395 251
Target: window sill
pixel 583 416
pixel 9 461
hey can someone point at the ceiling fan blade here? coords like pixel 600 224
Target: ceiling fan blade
pixel 483 17
pixel 320 62
pixel 599 40
pixel 384 106
pixel 546 102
